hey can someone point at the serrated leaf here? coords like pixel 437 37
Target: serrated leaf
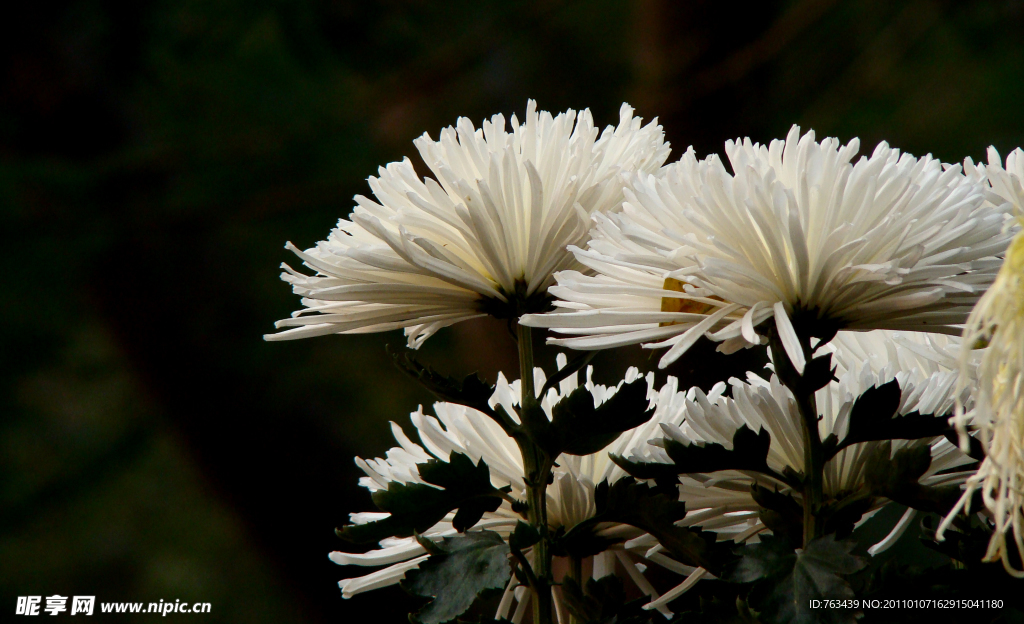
pixel 415 507
pixel 471 391
pixel 875 406
pixel 873 417
pixel 649 509
pixel 896 478
pixel 787 579
pixel 664 474
pixel 766 559
pixel 462 567
pixel 749 452
pixel 579 428
pixel 722 605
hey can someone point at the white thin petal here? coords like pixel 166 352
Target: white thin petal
pixel 789 338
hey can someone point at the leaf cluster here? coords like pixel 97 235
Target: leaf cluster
pixel 787 579
pixel 779 577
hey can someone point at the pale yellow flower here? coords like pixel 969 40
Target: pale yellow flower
pixel 998 412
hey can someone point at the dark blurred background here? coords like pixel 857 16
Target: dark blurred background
pixel 155 157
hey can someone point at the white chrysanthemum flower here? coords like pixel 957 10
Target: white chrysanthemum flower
pixel 928 383
pixel 1007 183
pixel 482 237
pixel 998 411
pixel 797 229
pixel 570 498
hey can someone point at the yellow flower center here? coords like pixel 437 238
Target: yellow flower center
pixel 688 306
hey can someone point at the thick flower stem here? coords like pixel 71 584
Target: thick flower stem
pixel 814 466
pixel 537 465
pixel 814 452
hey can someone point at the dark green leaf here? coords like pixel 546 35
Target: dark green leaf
pixel 579 428
pixel 719 602
pixel 788 579
pixel 898 579
pixel 651 510
pixel 471 391
pixel 841 516
pixel 472 510
pixel 967 542
pixel 460 568
pixel 664 474
pixel 749 452
pixel 874 407
pixel 818 373
pixel 873 417
pixel 975 450
pixel 896 478
pixel 779 512
pixel 523 536
pixel 415 507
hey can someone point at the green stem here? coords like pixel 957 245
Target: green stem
pixel 814 466
pixel 814 450
pixel 537 466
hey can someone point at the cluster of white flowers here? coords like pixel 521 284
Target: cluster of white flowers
pixel 890 250
pixel 721 502
pixel 570 497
